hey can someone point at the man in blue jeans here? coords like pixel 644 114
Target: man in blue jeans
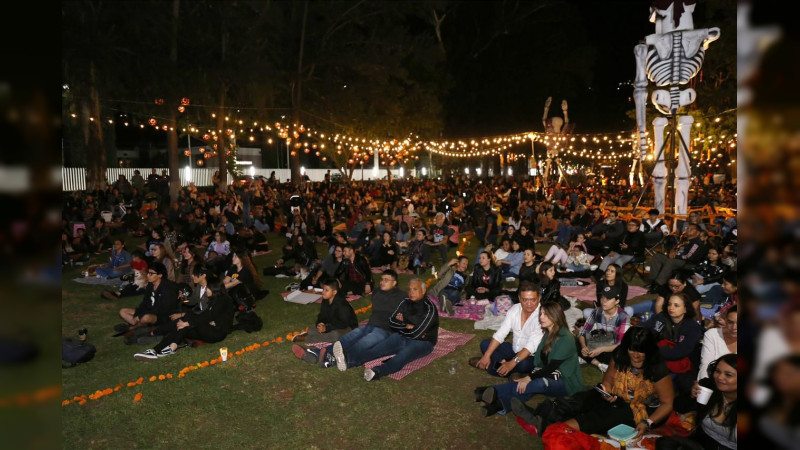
pixel 355 343
pixel 416 321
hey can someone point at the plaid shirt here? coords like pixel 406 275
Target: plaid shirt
pixel 618 324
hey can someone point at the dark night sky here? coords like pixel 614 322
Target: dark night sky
pixel 503 89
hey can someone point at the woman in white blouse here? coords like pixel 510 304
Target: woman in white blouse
pixel 718 342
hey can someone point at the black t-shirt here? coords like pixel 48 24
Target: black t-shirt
pixel 438 234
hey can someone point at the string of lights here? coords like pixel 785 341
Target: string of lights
pixel 603 147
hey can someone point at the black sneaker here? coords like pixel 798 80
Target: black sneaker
pixel 120 327
pixel 166 351
pixel 147 355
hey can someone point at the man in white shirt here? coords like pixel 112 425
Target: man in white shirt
pixel 500 358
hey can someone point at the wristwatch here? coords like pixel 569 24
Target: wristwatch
pixel 517 360
pixel 649 423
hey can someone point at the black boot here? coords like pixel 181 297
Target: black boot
pixel 527 414
pixel 479 393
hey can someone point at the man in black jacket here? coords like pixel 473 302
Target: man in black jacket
pixel 159 302
pixel 630 245
pixel 335 319
pixel 350 350
pixel 354 272
pixel 690 250
pixel 416 321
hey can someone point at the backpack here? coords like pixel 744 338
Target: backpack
pixel 248 321
pixel 75 351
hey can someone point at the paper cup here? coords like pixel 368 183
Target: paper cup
pixel 223 353
pixel 703 395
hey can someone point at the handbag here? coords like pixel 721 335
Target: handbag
pixel 599 338
pixel 555 375
pixel 560 436
pixel 676 366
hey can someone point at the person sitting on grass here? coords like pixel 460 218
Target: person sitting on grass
pixel 209 323
pixel 717 417
pixel 416 322
pixel 352 348
pixel 354 272
pixel 336 318
pixel 486 279
pixel 159 302
pixel 604 329
pixel 118 265
pixel 556 370
pixel 500 358
pixel 452 279
pixel 636 381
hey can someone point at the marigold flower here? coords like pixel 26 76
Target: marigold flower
pixel 137 397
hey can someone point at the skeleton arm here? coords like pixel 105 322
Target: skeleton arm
pixel 564 110
pixel 546 109
pixel 640 96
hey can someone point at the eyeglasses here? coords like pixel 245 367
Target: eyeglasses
pixel 527 299
pixel 675 286
pixel 387 280
pixel 152 273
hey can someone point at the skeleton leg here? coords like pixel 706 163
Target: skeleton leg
pixel 640 96
pixel 683 172
pixel 660 169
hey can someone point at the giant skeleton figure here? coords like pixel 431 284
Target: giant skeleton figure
pixel 557 126
pixel 670 57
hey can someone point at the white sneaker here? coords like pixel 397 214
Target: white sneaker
pixel 602 367
pixel 338 353
pixel 593 267
pixel 147 355
pixel 369 374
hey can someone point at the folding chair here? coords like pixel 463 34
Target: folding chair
pixel 634 267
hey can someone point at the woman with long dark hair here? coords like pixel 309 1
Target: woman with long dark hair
pixel 716 420
pixel 550 287
pixel 636 380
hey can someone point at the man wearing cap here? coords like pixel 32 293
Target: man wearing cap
pixel 159 302
pixel 604 329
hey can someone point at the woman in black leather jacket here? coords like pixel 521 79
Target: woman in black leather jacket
pixel 486 280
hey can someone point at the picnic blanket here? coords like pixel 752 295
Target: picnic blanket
pixel 465 310
pixel 98 281
pixel 399 272
pixel 447 343
pixel 588 293
pixel 350 298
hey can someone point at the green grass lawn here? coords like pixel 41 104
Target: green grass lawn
pixel 266 398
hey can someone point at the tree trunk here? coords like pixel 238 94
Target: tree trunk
pixel 297 98
pixel 172 151
pixel 93 135
pixel 172 132
pixel 222 145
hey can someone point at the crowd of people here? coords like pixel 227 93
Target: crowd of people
pixel 196 268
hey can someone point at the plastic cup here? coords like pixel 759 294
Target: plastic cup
pixel 223 353
pixel 704 395
pixel 452 369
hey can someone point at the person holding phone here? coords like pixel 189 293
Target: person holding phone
pixel 636 379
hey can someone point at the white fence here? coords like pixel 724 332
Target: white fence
pixel 74 178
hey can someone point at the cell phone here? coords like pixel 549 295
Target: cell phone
pixel 599 388
pixel 497 365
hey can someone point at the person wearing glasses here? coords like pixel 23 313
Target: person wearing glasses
pixel 159 302
pixel 354 345
pixel 625 249
pixel 500 358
